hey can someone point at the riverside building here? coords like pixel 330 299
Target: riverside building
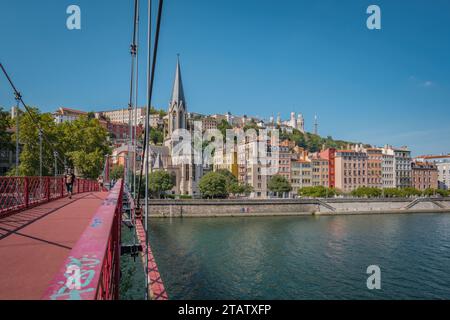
pixel 301 174
pixel 402 163
pixel 351 169
pixel 320 169
pixel 442 163
pixel 424 175
pixel 374 167
pixel 387 168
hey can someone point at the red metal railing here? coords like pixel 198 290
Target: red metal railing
pixel 92 270
pixel 156 289
pixel 19 193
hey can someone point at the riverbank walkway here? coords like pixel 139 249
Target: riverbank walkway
pixel 35 243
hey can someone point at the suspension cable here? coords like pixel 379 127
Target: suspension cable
pixel 150 90
pixel 133 52
pixel 18 97
pixel 136 104
pixel 150 80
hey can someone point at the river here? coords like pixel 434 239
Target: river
pixel 304 257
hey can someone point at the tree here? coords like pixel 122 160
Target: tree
pixel 156 136
pixel 161 112
pixel 85 143
pixel 228 175
pixel 429 192
pixel 159 182
pixel 410 192
pixel 82 143
pixel 223 126
pixel 5 136
pixel 279 185
pixel 213 185
pixel 367 192
pixel 117 172
pixel 233 185
pixel 239 189
pixel 392 193
pixel 29 139
pixel 317 192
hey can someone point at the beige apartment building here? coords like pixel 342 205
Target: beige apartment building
pixel 301 175
pixel 252 168
pixel 67 115
pixel 123 116
pixel 320 172
pixel 351 169
pixel 226 160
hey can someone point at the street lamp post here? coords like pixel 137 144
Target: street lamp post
pixel 55 154
pixel 40 161
pixel 17 133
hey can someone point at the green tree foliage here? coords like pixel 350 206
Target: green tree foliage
pixel 312 142
pixel 317 192
pixel 223 126
pixel 436 192
pixel 83 143
pixel 213 185
pixel 117 172
pixel 367 192
pixel 410 192
pixel 429 192
pixel 228 175
pixel 5 137
pixel 392 193
pixel 252 125
pixel 159 182
pixel 443 193
pixel 233 185
pixel 29 139
pixel 161 112
pixel 156 136
pixel 240 189
pixel 279 185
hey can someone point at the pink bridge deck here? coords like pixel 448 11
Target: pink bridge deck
pixel 35 243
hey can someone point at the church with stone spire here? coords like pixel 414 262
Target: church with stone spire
pixel 187 174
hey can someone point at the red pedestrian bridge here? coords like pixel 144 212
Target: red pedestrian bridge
pixel 56 248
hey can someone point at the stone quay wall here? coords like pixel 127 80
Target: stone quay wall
pixel 289 207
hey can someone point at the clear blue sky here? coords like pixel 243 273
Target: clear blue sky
pixel 249 56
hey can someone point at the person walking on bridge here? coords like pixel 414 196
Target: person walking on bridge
pixel 69 179
pixel 100 183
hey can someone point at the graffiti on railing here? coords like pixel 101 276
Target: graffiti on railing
pixel 79 275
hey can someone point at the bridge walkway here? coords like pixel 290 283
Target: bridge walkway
pixel 34 243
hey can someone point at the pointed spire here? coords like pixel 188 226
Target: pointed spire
pixel 178 92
